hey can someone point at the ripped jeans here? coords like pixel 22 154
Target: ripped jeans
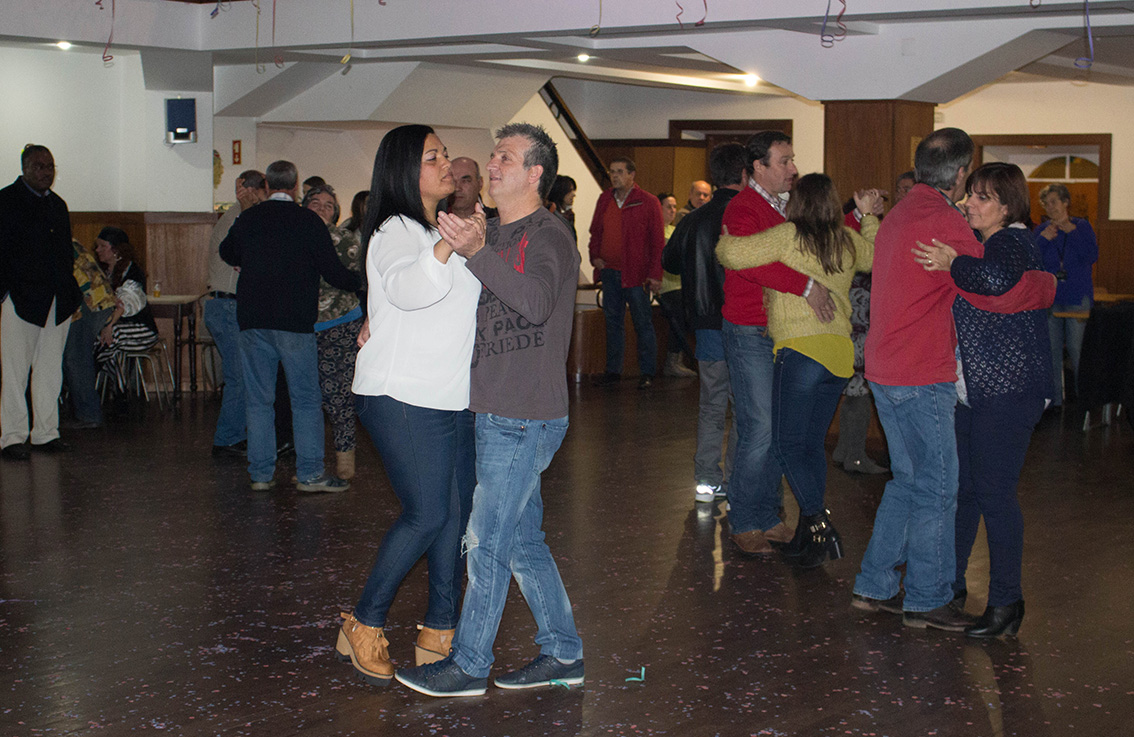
pixel 505 539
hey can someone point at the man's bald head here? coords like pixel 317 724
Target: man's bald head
pixel 700 193
pixel 466 177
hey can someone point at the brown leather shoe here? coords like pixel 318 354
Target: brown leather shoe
pixel 367 649
pixel 752 542
pixel 781 533
pixel 945 617
pixel 432 645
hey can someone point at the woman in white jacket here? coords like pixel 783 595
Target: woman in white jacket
pixel 412 385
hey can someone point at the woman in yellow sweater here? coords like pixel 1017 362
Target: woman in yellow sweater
pixel 813 359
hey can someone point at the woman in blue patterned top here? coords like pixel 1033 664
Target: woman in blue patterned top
pixel 1004 384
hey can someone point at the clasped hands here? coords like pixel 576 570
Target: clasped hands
pixel 464 235
pixel 938 257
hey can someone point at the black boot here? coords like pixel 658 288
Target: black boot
pixel 997 621
pixel 794 548
pixel 821 541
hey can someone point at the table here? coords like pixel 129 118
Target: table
pixel 180 308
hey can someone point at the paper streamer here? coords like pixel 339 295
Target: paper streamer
pixel 681 11
pixel 106 56
pixel 346 59
pixel 1085 62
pixel 826 39
pixel 597 26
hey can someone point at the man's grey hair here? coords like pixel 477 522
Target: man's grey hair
pixel 541 150
pixel 252 179
pixel 940 155
pixel 475 166
pixel 282 176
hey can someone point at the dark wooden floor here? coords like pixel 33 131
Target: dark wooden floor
pixel 144 589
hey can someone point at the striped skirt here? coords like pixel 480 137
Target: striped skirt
pixel 131 337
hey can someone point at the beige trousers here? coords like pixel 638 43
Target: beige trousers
pixel 24 347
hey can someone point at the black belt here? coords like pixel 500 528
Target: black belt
pixel 222 295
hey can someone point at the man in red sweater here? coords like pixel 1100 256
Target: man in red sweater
pixel 912 370
pixel 627 237
pixel 753 494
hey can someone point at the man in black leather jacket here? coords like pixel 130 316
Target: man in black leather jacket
pixel 690 253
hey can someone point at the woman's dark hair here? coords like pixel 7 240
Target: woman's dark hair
pixel 563 186
pixel 395 187
pixel 664 195
pixel 357 206
pixel 1007 182
pixel 323 189
pixel 120 244
pixel 817 213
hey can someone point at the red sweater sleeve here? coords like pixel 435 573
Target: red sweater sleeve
pixel 1034 291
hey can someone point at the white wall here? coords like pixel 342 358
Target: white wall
pixel 104 128
pixel 1057 107
pixel 621 111
pixel 345 156
pixel 225 131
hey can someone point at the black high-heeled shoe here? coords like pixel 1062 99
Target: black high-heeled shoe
pixel 821 541
pixel 997 621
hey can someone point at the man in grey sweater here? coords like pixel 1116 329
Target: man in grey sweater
pixel 527 260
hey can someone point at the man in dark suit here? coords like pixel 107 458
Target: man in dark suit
pixel 281 250
pixel 691 253
pixel 39 296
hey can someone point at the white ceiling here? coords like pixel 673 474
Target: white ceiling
pixel 930 50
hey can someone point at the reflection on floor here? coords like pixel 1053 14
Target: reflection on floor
pixel 144 587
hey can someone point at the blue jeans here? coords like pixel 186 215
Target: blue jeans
pixel 916 520
pixel 505 539
pixel 1066 332
pixel 421 449
pixel 754 488
pixel 992 440
pixel 79 370
pixel 615 297
pixel 220 319
pixel 804 398
pixel 262 352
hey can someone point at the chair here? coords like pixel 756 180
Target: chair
pixel 131 365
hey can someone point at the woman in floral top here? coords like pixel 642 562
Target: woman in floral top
pixel 340 318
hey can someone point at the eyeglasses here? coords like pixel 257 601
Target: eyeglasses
pixel 43 167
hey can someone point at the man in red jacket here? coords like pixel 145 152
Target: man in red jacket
pixel 754 490
pixel 912 370
pixel 626 244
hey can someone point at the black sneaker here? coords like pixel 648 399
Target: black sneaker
pixel 607 379
pixel 238 450
pixel 16 452
pixel 543 671
pixel 443 678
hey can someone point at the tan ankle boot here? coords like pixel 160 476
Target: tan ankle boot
pixel 344 459
pixel 367 649
pixel 432 645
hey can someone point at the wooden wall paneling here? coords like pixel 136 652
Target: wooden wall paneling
pixel 178 250
pixel 85 227
pixel 868 143
pixel 655 168
pixel 1115 267
pixel 689 165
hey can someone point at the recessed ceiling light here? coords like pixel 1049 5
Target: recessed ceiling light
pixel 751 80
pixel 64 45
pixel 584 58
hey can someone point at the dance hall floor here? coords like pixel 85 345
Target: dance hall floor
pixel 145 590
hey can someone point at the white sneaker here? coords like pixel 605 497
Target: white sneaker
pixel 706 493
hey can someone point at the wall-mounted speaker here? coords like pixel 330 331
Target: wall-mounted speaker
pixel 181 121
